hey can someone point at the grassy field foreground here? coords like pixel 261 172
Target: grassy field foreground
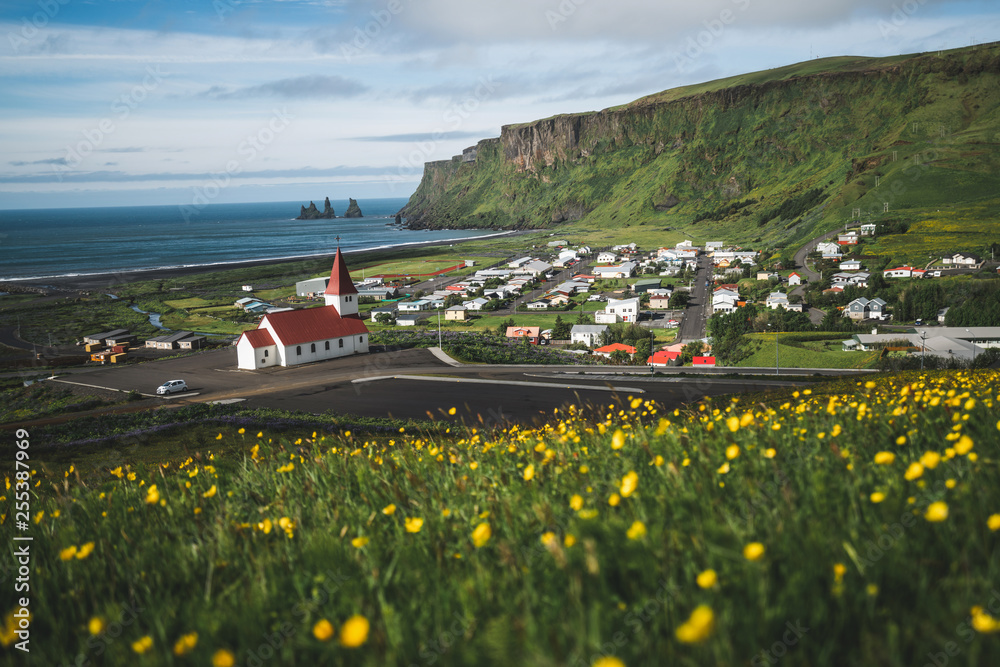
pixel 853 523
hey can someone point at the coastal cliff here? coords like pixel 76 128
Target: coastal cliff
pixel 760 140
pixel 312 213
pixel 353 210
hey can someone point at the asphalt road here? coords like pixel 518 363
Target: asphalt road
pixel 693 324
pixel 383 384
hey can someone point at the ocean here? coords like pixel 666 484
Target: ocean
pixel 49 243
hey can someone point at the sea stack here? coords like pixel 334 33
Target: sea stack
pixel 313 213
pixel 353 210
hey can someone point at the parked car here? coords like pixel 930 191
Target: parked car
pixel 172 387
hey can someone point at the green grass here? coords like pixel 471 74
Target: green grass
pixel 248 543
pixel 817 350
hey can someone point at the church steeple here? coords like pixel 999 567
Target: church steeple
pixel 340 291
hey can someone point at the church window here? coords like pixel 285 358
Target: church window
pixel 265 353
pixel 312 347
pixel 328 345
pixel 298 349
pixel 341 341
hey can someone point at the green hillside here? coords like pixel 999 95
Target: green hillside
pixel 818 140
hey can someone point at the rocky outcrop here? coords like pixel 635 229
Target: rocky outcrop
pixel 353 210
pixel 312 213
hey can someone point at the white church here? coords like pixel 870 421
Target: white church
pixel 311 334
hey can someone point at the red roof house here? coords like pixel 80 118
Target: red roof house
pixel 704 361
pixel 664 358
pixel 607 350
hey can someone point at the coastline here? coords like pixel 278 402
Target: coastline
pixel 107 280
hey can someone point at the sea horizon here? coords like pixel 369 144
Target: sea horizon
pixel 40 244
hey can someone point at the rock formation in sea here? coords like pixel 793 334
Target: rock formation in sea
pixel 312 213
pixel 353 210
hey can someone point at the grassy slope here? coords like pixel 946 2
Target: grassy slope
pixel 830 124
pixel 209 555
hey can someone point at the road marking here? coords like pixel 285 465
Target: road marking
pixel 513 383
pixel 227 401
pixel 97 386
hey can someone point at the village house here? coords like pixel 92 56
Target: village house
pixel 664 358
pixel 455 313
pixel 963 259
pixel 107 337
pixel 588 334
pixel 904 272
pixel 659 302
pixel 606 257
pixel 608 350
pixel 777 300
pixel 311 334
pixel 414 306
pixel 178 339
pixel 388 310
pixel 850 265
pixel 618 310
pixel 868 229
pixel 865 309
pixel 624 270
pixel 829 250
pixel 850 238
pixel 531 334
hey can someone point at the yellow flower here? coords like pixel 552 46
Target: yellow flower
pixel 884 458
pixel 770 453
pixel 732 451
pixel 707 579
pixel 618 439
pixel 265 526
pixel 569 540
pixel 223 658
pixel 608 661
pixel 142 644
pixel 414 524
pixel 983 622
pixel 529 472
pixel 210 493
pixel 937 512
pixel 186 643
pixel 242 431
pixel 636 531
pixel 587 514
pixel 839 570
pixel 152 495
pixel 877 497
pixel 359 542
pixel 354 632
pixel 68 553
pixel 930 460
pixel 576 502
pixel 914 471
pixel 629 483
pixel 96 625
pixel 323 630
pixel 614 499
pixel 901 440
pixel 872 589
pixel 836 431
pixel 218 437
pixel 993 523
pixel 288 467
pixel 547 538
pixel 733 424
pixel 698 627
pixel 117 472
pixel 723 469
pixel 481 534
pixel 753 551
pixel 963 446
pixel 451 411
pixel 389 509
pixel 84 550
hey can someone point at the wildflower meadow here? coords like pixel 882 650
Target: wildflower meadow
pixel 853 523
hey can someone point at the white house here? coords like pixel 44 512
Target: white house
pixel 828 250
pixel 902 272
pixel 414 306
pixel 312 334
pixel 963 259
pixel 777 300
pixel 868 229
pixel 624 270
pixel 534 268
pixel 606 258
pixel 537 305
pixel 794 279
pixel 862 309
pixel 475 304
pixel 850 265
pixel 618 310
pixel 588 334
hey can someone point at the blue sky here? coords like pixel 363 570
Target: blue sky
pixel 123 102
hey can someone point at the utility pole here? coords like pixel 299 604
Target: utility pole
pixel 439 328
pixel 923 347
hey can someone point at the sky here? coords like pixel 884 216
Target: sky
pixel 132 102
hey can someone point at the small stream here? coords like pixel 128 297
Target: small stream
pixel 154 318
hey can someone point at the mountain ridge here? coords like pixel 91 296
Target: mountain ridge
pixel 840 124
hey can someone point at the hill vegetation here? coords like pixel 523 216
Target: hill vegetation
pixel 769 158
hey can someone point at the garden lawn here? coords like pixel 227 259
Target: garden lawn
pixel 805 351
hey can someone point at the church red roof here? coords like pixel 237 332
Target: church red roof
pixel 340 278
pixel 259 338
pixel 293 327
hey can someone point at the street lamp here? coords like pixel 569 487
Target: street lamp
pixel 923 347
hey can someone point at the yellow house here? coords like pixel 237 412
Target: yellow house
pixel 456 313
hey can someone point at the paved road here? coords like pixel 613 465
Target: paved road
pixel 696 314
pixel 388 388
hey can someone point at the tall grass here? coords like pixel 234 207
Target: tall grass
pixel 600 536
